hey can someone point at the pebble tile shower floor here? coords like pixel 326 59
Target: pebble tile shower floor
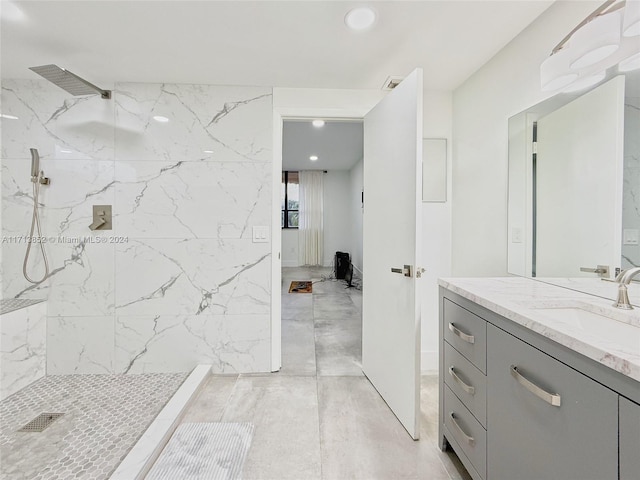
pixel 104 415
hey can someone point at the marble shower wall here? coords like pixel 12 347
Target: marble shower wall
pixel 178 281
pixel 631 189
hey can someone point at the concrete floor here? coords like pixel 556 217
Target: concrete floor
pixel 319 417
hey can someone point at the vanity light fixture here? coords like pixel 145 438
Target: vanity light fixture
pixel 585 82
pixel 8 117
pixel 629 64
pixel 160 119
pixel 318 123
pixel 313 158
pixel 555 72
pixel 597 40
pixel 596 43
pixel 631 23
pixel 360 18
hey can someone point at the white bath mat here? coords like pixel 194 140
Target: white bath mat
pixel 204 451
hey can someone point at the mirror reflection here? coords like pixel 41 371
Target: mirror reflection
pixel 574 185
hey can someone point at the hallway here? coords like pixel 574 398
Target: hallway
pixel 319 417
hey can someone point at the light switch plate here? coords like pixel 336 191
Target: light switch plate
pixel 630 236
pixel 260 234
pixel 516 235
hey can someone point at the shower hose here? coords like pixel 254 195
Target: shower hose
pixel 35 222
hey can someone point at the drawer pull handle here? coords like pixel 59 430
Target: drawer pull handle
pixel 467 338
pixel 551 398
pixel 467 388
pixel 470 440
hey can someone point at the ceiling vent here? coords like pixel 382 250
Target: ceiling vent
pixel 392 82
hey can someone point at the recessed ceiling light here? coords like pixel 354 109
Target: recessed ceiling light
pixel 318 123
pixel 360 18
pixel 313 158
pixel 8 117
pixel 208 151
pixel 160 118
pixel 66 151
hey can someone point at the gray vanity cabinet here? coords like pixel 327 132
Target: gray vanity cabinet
pixel 629 440
pixel 546 420
pixel 515 405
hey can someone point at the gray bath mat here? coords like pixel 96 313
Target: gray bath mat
pixel 204 451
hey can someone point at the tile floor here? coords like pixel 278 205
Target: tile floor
pixel 104 415
pixel 319 417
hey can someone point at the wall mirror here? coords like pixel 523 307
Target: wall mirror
pixel 574 186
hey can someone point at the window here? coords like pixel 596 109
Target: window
pixel 290 198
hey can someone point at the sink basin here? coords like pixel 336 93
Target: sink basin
pixel 586 324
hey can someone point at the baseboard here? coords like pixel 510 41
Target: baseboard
pixel 429 362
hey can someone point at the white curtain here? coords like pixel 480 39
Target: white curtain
pixel 310 224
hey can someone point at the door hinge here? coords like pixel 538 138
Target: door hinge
pixel 534 147
pixel 419 272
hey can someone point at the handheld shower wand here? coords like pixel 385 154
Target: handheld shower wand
pixel 35 165
pixel 37 178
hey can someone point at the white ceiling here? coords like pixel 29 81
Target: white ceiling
pixel 270 43
pixel 338 145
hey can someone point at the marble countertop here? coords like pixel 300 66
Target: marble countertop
pixel 587 324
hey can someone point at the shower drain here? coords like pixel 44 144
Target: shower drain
pixel 41 422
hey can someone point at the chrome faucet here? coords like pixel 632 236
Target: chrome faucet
pixel 623 279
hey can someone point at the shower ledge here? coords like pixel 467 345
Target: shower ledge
pixel 145 452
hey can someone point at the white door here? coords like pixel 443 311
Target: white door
pixel 579 171
pixel 391 240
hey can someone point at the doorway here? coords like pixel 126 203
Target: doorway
pixel 391 225
pixel 322 329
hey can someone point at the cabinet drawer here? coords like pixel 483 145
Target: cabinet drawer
pixel 629 440
pixel 467 333
pixel 467 382
pixel 544 419
pixel 467 432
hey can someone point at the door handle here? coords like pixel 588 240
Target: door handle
pixel 601 270
pixel 406 271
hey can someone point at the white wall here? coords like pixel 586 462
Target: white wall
pixel 506 85
pixel 356 180
pixel 337 222
pixel 436 230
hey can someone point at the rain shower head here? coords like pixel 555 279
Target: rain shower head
pixel 69 81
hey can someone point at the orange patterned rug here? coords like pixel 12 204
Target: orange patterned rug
pixel 300 287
